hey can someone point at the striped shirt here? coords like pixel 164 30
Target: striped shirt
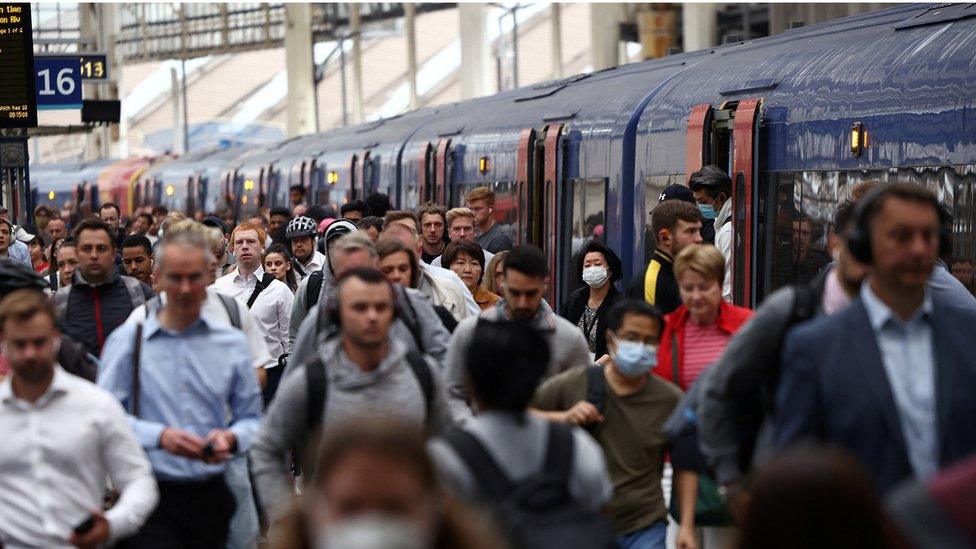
pixel 702 347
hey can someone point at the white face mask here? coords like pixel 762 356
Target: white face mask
pixel 373 531
pixel 595 277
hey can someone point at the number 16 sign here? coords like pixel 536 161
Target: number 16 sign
pixel 58 81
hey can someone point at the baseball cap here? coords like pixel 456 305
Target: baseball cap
pixel 214 221
pixel 677 192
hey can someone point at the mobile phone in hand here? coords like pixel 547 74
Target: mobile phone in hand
pixel 208 450
pixel 85 526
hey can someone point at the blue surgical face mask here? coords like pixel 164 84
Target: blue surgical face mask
pixel 634 359
pixel 707 211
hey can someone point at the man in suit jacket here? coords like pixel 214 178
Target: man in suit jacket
pixel 891 378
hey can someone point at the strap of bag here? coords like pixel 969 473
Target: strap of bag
pixel 259 287
pixel 559 452
pixel 804 303
pixel 409 316
pixel 313 289
pixel 422 370
pixel 52 280
pixel 233 312
pixel 317 385
pixel 596 387
pixel 491 480
pixel 136 355
pixel 674 359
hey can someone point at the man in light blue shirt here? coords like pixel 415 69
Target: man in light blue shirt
pixel 909 363
pixel 890 379
pixel 194 402
pixel 10 246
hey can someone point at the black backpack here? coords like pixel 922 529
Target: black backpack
pixel 536 512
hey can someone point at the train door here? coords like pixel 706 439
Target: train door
pixel 443 172
pixel 538 174
pixel 425 174
pixel 366 176
pixel 728 137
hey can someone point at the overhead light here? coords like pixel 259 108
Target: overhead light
pixel 248 184
pixel 170 190
pixel 333 178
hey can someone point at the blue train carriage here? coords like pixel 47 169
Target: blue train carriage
pixel 800 118
pixel 67 185
pixel 559 156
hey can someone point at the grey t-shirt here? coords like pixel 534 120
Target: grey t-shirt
pixel 519 449
pixel 494 240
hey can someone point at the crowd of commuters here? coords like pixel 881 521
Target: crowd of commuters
pixel 374 377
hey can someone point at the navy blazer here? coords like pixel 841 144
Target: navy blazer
pixel 834 389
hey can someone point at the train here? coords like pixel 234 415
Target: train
pixel 796 119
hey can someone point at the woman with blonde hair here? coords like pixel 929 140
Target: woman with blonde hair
pixel 494 275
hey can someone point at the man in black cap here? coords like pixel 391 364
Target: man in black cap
pixel 227 260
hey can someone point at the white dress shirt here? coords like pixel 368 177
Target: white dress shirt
pixel 271 310
pixel 56 456
pixel 213 311
pixel 314 264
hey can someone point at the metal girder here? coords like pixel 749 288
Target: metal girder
pixel 159 31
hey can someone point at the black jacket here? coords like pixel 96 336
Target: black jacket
pixel 575 305
pixel 660 273
pixel 90 313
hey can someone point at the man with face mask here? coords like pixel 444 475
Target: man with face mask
pixel 526 278
pixel 627 422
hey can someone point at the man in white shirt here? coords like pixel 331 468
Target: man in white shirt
pixel 63 438
pixel 269 299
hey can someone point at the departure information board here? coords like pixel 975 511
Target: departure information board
pixel 18 103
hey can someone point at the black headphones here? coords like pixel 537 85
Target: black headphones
pixel 330 310
pixel 859 241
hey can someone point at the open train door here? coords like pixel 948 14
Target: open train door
pixel 745 214
pixel 442 170
pixel 538 186
pixel 728 137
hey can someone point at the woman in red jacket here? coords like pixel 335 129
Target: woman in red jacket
pixel 695 335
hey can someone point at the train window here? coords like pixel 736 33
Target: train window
pixel 654 185
pixel 506 209
pixel 589 207
pixel 801 206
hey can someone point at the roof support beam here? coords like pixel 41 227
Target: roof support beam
pixel 300 66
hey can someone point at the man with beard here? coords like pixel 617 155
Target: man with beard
pixel 526 279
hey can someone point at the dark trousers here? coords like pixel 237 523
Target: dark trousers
pixel 189 515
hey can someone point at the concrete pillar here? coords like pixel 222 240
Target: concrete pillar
pixel 699 25
pixel 605 35
pixel 100 23
pixel 355 28
pixel 410 29
pixel 475 51
pixel 557 40
pixel 300 66
pixel 176 98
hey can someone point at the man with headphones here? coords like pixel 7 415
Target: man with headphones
pixel 890 378
pixel 369 372
pixel 491 237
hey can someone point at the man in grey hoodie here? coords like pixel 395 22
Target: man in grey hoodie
pixel 364 371
pixel 526 277
pixel 417 324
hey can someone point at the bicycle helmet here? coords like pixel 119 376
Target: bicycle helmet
pixel 14 276
pixel 300 226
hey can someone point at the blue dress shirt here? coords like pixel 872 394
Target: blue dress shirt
pixel 18 251
pixel 909 361
pixel 196 380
